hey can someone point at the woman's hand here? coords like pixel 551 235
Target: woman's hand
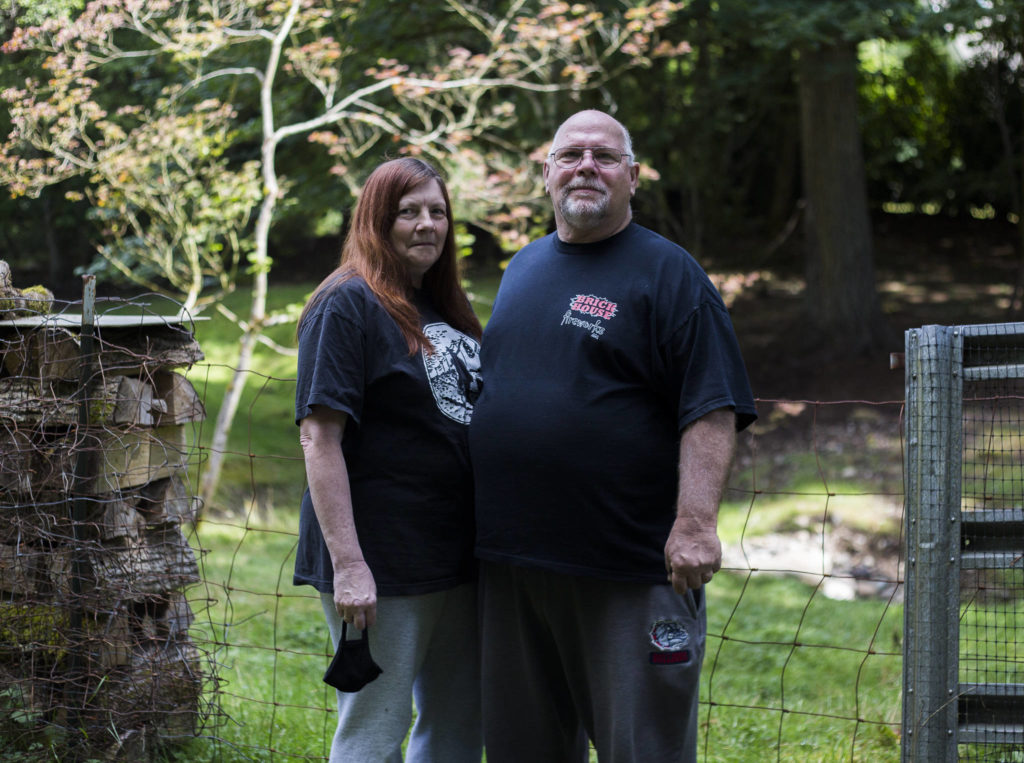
pixel 355 594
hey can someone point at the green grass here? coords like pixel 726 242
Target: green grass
pixel 790 670
pixel 270 645
pixel 788 674
pixel 786 669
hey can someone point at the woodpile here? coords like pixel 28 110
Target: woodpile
pixel 94 622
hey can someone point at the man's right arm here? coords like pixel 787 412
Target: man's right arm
pixel 693 552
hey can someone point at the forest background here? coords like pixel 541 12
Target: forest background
pixel 844 169
pixel 803 150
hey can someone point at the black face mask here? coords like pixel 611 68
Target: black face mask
pixel 352 667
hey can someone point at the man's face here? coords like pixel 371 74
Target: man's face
pixel 591 201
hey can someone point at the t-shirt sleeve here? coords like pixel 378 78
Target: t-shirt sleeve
pixel 332 362
pixel 706 367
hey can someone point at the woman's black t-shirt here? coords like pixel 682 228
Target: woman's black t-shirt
pixel 405 441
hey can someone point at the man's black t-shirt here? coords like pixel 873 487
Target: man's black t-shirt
pixel 405 441
pixel 595 358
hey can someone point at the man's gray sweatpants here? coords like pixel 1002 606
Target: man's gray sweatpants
pixel 566 658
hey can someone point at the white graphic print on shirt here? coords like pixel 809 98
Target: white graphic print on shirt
pixel 453 370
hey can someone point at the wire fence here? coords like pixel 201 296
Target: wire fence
pixel 804 652
pixel 131 628
pixel 964 676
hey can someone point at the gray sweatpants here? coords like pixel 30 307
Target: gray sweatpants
pixel 427 647
pixel 566 658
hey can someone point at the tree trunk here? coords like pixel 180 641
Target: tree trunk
pixel 841 299
pixel 254 326
pixel 259 261
pixel 225 418
pixel 54 271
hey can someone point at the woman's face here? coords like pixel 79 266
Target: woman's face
pixel 420 228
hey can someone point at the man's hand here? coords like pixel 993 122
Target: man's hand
pixel 692 556
pixel 355 594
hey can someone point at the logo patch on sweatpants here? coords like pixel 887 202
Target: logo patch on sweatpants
pixel 671 640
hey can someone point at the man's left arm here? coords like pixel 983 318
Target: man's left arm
pixel 693 552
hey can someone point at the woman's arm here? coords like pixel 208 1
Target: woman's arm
pixel 355 593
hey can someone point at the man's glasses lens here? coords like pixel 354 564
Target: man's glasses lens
pixel 570 156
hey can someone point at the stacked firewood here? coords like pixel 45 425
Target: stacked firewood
pixel 95 650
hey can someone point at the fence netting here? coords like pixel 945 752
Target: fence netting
pixel 991 586
pixel 135 623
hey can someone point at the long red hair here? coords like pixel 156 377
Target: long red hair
pixel 368 253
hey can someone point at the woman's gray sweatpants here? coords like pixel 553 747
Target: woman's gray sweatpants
pixel 427 647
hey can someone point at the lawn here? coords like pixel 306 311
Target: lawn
pixel 788 672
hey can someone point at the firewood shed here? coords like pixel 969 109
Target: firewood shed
pixel 97 423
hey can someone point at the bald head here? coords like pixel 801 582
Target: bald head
pixel 591 118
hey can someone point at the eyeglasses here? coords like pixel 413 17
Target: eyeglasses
pixel 570 156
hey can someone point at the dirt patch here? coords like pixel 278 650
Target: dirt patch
pixel 846 410
pixel 844 563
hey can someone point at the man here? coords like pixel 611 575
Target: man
pixel 613 389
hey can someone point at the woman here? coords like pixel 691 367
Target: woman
pixel 388 372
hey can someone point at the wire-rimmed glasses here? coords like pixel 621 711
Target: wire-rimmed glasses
pixel 568 157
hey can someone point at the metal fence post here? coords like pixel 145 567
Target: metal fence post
pixel 84 471
pixel 931 615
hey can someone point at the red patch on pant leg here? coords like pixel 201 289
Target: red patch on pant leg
pixel 670 658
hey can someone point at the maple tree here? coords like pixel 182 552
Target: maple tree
pixel 175 204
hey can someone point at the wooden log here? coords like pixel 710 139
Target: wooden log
pixel 142 353
pixel 158 689
pixel 133 458
pixel 177 619
pixel 34 462
pixel 158 562
pixel 167 500
pixel 59 566
pixel 157 619
pixel 53 353
pixel 34 572
pixel 110 645
pixel 180 399
pixel 46 520
pixel 24 401
pixel 43 518
pixel 17 456
pixel 45 353
pixel 114 518
pixel 17 565
pixel 128 514
pixel 114 400
pixel 133 402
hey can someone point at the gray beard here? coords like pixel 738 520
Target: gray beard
pixel 581 213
